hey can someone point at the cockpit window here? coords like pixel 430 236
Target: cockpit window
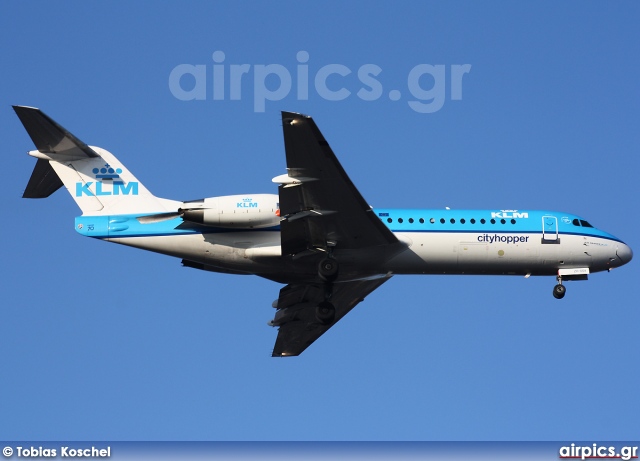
pixel 576 222
pixel 585 223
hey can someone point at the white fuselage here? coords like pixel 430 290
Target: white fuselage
pixel 429 252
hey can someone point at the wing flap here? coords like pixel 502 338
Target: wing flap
pixel 298 304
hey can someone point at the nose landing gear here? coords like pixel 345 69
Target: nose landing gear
pixel 559 290
pixel 571 273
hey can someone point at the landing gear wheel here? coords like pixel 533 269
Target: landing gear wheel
pixel 559 291
pixel 325 313
pixel 328 269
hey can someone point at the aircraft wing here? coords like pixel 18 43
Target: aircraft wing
pixel 321 210
pixel 299 327
pixel 318 201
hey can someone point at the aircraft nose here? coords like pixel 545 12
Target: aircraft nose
pixel 624 253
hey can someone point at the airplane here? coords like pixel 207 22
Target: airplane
pixel 318 235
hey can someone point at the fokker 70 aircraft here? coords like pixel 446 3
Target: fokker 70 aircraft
pixel 318 236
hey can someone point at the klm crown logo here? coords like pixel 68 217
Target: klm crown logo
pixel 106 172
pixel 112 185
pixel 247 202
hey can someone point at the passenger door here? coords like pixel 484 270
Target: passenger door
pixel 550 229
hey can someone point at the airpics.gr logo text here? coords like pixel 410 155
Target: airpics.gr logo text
pixel 109 183
pixel 424 87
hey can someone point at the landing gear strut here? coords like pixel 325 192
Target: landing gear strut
pixel 328 272
pixel 559 290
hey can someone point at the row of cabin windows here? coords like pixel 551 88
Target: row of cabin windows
pixel 452 221
pixel 576 222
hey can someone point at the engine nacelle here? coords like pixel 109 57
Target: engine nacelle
pixel 234 211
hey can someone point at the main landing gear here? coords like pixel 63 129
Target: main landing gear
pixel 559 290
pixel 325 313
pixel 328 269
pixel 328 272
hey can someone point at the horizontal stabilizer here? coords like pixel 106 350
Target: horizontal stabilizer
pixel 44 181
pixel 98 182
pixel 51 138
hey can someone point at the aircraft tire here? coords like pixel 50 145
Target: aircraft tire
pixel 328 269
pixel 325 313
pixel 559 291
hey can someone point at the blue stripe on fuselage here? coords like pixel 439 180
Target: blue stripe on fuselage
pixel 507 221
pixel 397 220
pixel 129 226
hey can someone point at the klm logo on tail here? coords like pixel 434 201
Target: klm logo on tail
pixel 112 186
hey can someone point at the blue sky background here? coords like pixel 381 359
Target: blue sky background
pixel 105 342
